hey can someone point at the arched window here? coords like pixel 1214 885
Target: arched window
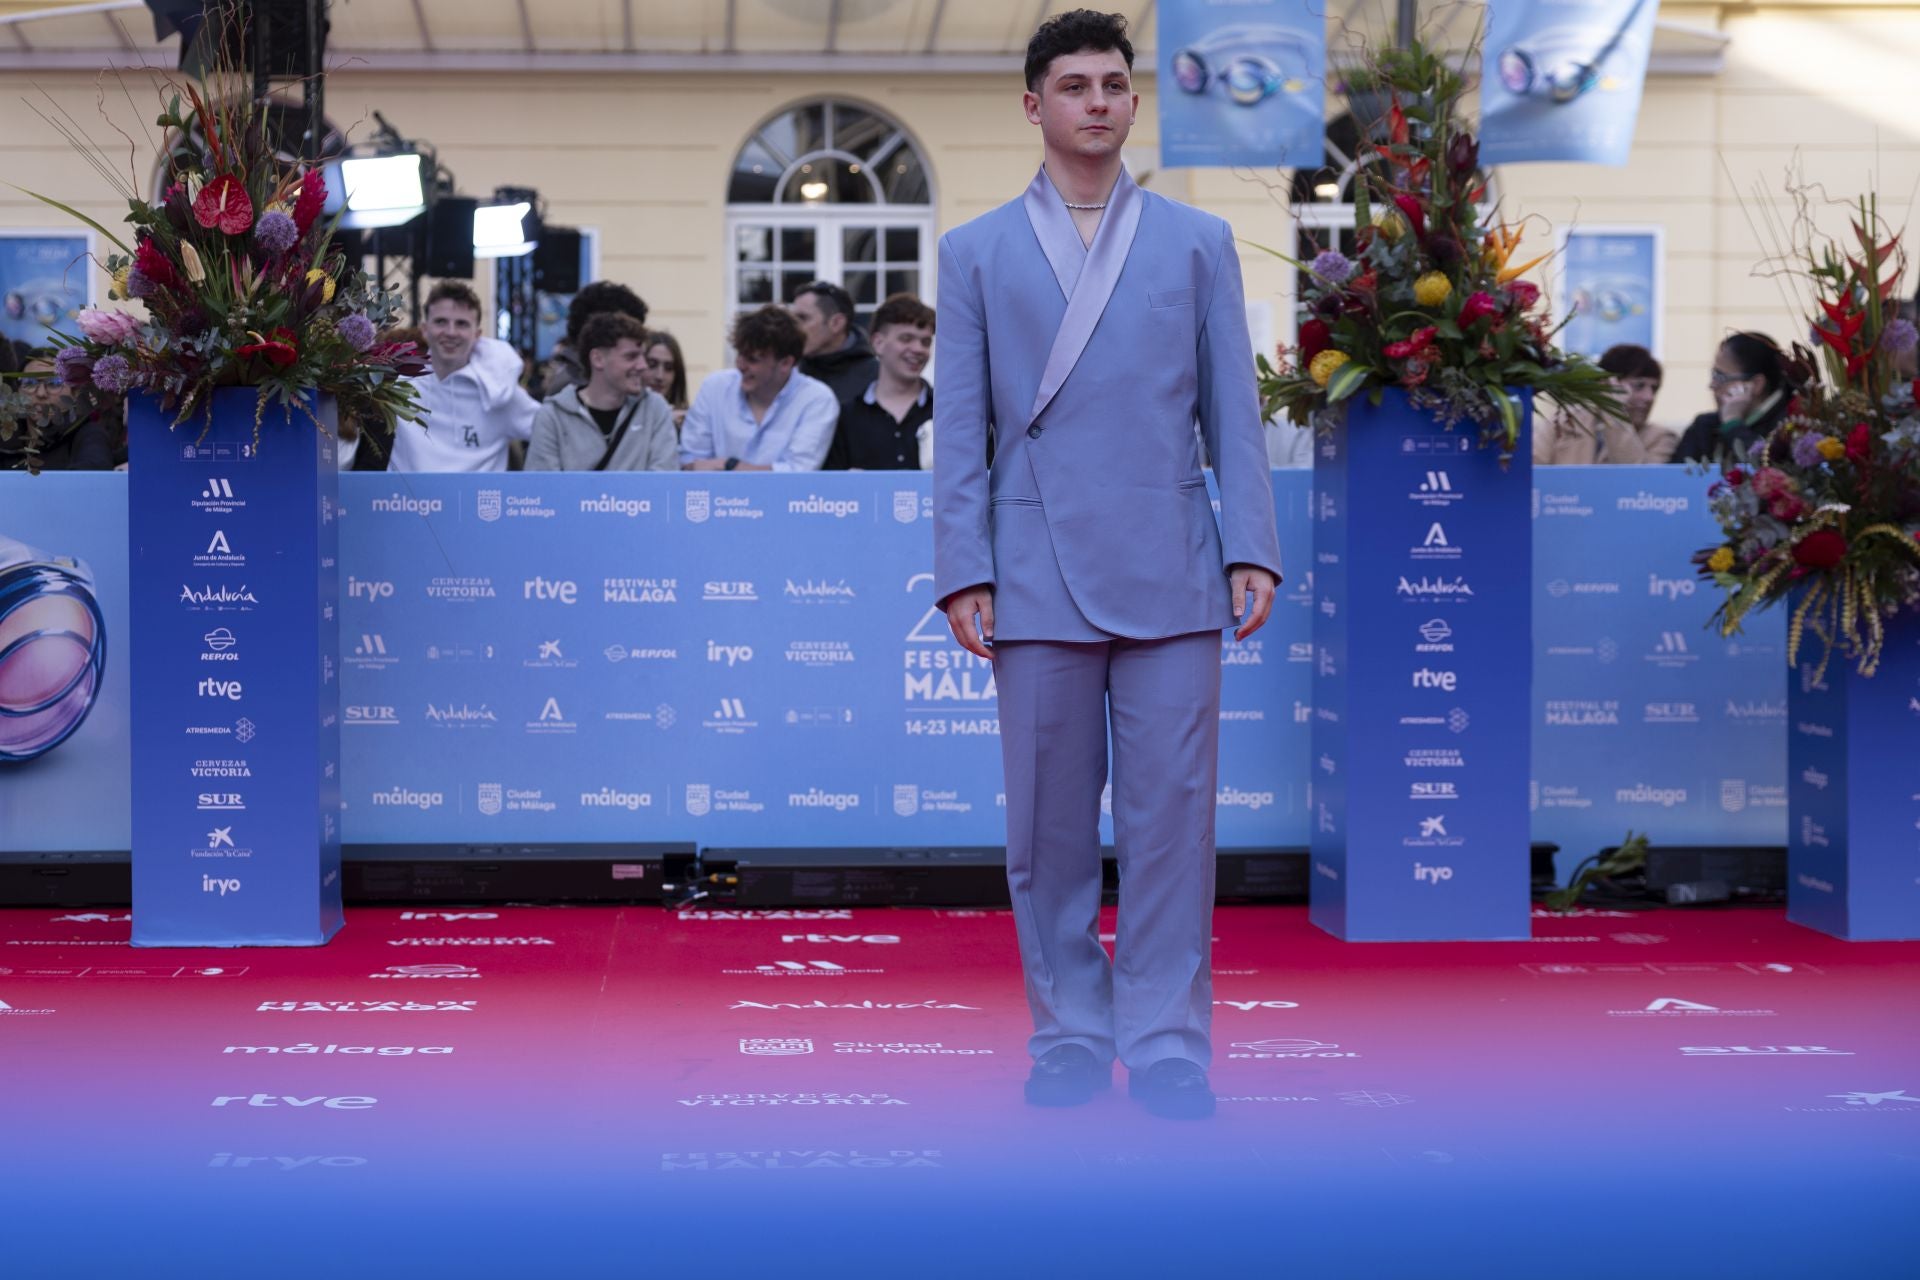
pixel 829 190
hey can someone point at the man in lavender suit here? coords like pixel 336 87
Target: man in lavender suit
pixel 1088 325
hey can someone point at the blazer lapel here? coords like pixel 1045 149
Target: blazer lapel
pixel 1087 278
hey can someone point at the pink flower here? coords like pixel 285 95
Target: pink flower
pixel 1478 306
pixel 109 328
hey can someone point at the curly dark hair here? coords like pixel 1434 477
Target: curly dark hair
pixel 770 331
pixel 903 308
pixel 602 295
pixel 605 329
pixel 1076 31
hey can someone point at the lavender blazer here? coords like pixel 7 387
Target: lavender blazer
pixel 1090 366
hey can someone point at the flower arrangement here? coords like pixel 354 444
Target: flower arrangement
pixel 1432 300
pixel 240 281
pixel 1829 507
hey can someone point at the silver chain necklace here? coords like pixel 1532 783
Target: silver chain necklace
pixel 1071 205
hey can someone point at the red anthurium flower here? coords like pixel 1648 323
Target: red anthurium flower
pixel 1369 282
pixel 1478 306
pixel 1524 294
pixel 1416 215
pixel 1315 336
pixel 223 203
pixel 1821 549
pixel 1736 476
pixel 277 349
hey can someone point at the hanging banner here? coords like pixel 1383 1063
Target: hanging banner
pixel 1562 79
pixel 1242 82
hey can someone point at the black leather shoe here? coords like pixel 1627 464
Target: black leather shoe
pixel 1174 1088
pixel 1066 1076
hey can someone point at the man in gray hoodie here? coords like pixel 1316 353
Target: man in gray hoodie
pixel 612 423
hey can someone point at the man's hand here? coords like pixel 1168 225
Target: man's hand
pixel 705 464
pixel 974 635
pixel 1253 589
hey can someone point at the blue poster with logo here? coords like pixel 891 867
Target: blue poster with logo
pixel 1562 79
pixel 44 279
pixel 1242 82
pixel 1611 283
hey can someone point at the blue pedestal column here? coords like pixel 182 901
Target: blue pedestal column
pixel 235 696
pixel 1853 793
pixel 1422 562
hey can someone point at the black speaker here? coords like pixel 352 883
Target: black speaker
pixel 556 261
pixel 449 249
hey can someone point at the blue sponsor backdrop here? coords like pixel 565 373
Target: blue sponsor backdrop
pixel 1419 744
pixel 1242 82
pixel 1561 79
pixel 479 704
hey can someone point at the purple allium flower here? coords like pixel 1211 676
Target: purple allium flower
pixel 356 331
pixel 140 285
pixel 1900 336
pixel 276 232
pixel 1806 450
pixel 112 374
pixel 73 366
pixel 1332 266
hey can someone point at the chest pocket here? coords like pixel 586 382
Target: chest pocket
pixel 1170 298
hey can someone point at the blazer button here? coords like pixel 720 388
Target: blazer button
pixel 1033 432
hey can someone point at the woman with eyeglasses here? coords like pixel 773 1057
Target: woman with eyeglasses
pixel 1753 390
pixel 666 373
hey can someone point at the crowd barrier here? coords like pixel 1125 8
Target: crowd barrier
pixel 757 660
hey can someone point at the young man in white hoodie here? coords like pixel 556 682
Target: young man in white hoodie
pixel 613 423
pixel 473 399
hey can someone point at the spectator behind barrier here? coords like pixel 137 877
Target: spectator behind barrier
pixel 884 427
pixel 760 415
pixel 1754 390
pixel 1582 439
pixel 473 399
pixel 566 367
pixel 667 373
pixel 837 352
pixel 613 423
pixel 78 431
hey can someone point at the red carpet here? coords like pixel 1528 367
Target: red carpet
pixel 593 1062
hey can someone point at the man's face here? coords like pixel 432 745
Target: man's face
pixel 1638 394
pixel 823 329
pixel 452 329
pixel 1086 104
pixel 762 375
pixel 903 350
pixel 621 367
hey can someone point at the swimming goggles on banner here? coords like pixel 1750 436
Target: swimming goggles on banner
pixel 1561 79
pixel 1247 77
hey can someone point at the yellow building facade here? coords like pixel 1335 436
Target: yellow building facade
pixel 628 119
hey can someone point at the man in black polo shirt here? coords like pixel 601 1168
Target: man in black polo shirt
pixel 880 429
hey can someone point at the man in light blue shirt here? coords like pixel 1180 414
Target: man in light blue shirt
pixel 760 415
